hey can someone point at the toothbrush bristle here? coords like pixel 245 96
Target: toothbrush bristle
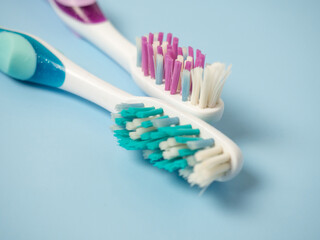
pixel 169 145
pixel 149 48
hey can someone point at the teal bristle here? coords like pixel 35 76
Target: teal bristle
pixel 132 112
pixel 186 139
pixel 144 114
pixel 121 121
pixel 155 144
pixel 155 156
pixel 186 152
pixel 171 165
pixel 170 131
pixel 153 129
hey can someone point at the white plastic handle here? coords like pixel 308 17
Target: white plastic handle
pixel 84 84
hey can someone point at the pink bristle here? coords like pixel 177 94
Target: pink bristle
pixel 159 50
pixel 180 51
pixel 169 38
pixel 198 52
pixel 160 37
pixel 144 56
pixel 170 53
pixel 150 61
pixel 197 63
pixel 188 66
pixel 168 69
pixel 151 38
pixel 175 46
pixel 175 77
pixel 190 52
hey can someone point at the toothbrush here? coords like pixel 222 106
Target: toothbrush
pixel 170 139
pixel 159 66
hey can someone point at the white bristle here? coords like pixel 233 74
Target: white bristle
pixel 218 88
pixel 185 53
pixel 115 127
pixel 196 75
pixel 207 171
pixel 135 123
pixel 173 152
pixel 207 153
pixel 185 173
pixel 191 161
pixel 164 47
pixel 205 88
pixel 137 134
pixel 155 45
pixel 115 115
pixel 155 37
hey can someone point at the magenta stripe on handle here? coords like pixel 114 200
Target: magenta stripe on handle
pixel 144 56
pixel 168 69
pixel 175 77
pixel 150 61
pixel 180 51
pixel 76 3
pixel 86 14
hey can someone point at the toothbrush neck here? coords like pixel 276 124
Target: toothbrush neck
pixel 111 42
pixel 90 23
pixel 86 11
pixel 82 83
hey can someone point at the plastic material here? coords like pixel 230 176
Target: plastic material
pixel 110 41
pixel 80 82
pixel 18 58
pixel 84 11
pixel 49 69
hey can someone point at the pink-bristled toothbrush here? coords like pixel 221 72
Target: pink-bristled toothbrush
pixel 159 66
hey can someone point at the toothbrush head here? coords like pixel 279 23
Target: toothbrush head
pixel 175 141
pixel 172 73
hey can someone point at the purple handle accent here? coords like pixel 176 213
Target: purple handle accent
pixel 76 3
pixel 86 14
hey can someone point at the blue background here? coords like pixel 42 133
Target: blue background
pixel 62 175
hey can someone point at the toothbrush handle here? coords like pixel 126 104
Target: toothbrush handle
pixel 55 70
pixel 82 83
pixel 101 33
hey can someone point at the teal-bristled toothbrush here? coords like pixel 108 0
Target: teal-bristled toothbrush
pixel 170 139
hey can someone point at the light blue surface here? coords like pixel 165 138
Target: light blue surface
pixel 62 175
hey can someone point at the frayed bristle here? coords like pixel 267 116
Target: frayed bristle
pixel 175 66
pixel 169 145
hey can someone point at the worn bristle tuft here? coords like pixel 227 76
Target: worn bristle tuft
pixel 168 145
